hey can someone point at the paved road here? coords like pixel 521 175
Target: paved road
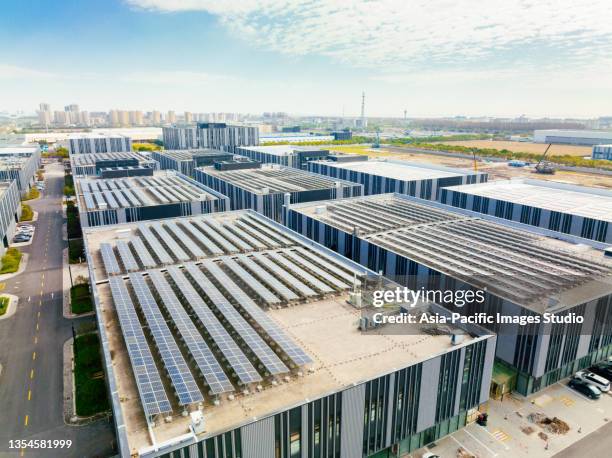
pixel 31 341
pixel 597 444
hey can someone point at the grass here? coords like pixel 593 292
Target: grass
pixel 26 213
pixel 10 261
pixel 80 299
pixel 32 194
pixel 4 303
pixel 90 397
pixel 76 253
pixel 73 223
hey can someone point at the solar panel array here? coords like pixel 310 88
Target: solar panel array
pixel 108 258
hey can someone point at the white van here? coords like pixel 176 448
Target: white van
pixel 601 383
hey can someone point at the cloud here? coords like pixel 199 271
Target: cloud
pixel 383 33
pixel 179 78
pixel 16 72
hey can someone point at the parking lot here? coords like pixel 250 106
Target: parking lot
pixel 510 433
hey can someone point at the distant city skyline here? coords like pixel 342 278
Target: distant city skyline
pixel 547 58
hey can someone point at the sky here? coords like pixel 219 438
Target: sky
pixel 540 58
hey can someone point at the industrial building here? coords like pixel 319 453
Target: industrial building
pixel 569 209
pixel 185 161
pixel 381 175
pixel 278 137
pixel 287 155
pixel 226 137
pixel 98 143
pixel 180 138
pixel 19 164
pixel 572 137
pixel 263 188
pixel 425 244
pixel 227 335
pixel 164 195
pixel 92 164
pixel 602 152
pixel 10 212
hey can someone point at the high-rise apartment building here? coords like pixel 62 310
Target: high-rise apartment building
pixel 188 117
pixel 155 117
pixel 136 118
pixel 44 114
pixel 171 117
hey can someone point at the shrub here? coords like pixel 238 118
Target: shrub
pixel 4 303
pixel 10 261
pixel 76 253
pixel 26 213
pixel 90 396
pixel 33 193
pixel 80 299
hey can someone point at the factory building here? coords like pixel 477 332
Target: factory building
pixel 180 138
pixel 139 198
pixel 10 212
pixel 381 176
pixel 264 188
pixel 602 152
pixel 20 164
pixel 287 155
pixel 214 346
pixel 568 209
pixel 98 143
pixel 518 273
pixel 225 136
pixel 185 161
pixel 92 164
pixel 572 137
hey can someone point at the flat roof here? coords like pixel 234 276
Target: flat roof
pixel 526 268
pixel 264 272
pixel 19 150
pixel 575 200
pixel 92 158
pixel 275 179
pixel 399 170
pixel 189 154
pixel 138 191
pixel 575 133
pixel 282 150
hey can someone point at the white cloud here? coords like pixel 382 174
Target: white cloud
pixel 383 33
pixel 16 72
pixel 179 78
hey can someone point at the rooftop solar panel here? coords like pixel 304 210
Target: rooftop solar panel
pixel 227 246
pixel 208 365
pixel 280 288
pixel 181 378
pixel 254 242
pixel 110 261
pixel 151 239
pixel 261 290
pixel 195 250
pixel 172 245
pixel 295 353
pixel 328 264
pixel 142 252
pixel 125 254
pixel 108 195
pixel 268 241
pixel 316 269
pixel 121 199
pixel 288 264
pixel 253 340
pixel 134 202
pixel 281 272
pixel 236 359
pixel 148 381
pixel 266 229
pixel 236 241
pixel 89 202
pixel 208 244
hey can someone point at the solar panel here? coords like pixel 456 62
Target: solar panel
pixel 317 270
pixel 257 223
pixel 295 282
pixel 208 244
pixel 229 236
pixel 253 340
pixel 204 358
pixel 235 229
pixel 297 355
pixel 174 247
pixel 108 257
pixel 181 378
pixel 195 250
pixel 163 199
pixel 134 202
pixel 108 195
pixel 301 272
pixel 122 200
pixel 89 202
pixel 234 356
pixel 328 264
pixel 159 251
pixel 142 252
pixel 84 186
pixel 270 242
pixel 142 196
pixel 99 198
pixel 125 254
pixel 251 281
pixel 281 289
pixel 148 381
pixel 228 247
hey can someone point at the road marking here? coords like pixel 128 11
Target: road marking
pixel 41 291
pixel 480 442
pixel 51 294
pixel 500 435
pixel 574 392
pixel 26 420
pixel 463 446
pixel 35 340
pixel 29 394
pixel 2 286
pixel 32 373
pixel 33 356
pixel 38 316
pixel 22 451
pixel 29 298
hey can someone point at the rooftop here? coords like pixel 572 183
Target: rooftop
pixel 275 179
pixel 189 154
pixel 528 269
pixel 576 200
pixel 162 188
pixel 91 159
pixel 281 150
pixel 18 150
pixel 232 284
pixel 399 170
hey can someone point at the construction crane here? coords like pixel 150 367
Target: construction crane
pixel 543 166
pixel 376 143
pixel 475 161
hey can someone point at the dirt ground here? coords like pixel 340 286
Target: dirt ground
pixel 496 170
pixel 525 147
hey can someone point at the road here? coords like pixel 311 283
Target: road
pixel 596 444
pixel 31 342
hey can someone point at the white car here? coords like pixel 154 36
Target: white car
pixel 589 377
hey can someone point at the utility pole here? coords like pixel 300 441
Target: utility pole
pixel 363 110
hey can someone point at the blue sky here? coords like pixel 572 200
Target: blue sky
pixel 430 57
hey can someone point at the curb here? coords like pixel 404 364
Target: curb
pixel 12 307
pixel 22 267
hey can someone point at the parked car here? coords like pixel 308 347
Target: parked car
pixel 21 238
pixel 25 226
pixel 25 229
pixel 594 379
pixel 590 391
pixel 603 370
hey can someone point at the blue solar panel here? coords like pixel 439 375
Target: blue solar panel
pixel 125 254
pixel 110 261
pixel 160 252
pixel 173 247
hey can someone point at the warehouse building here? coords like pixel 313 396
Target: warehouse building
pixel 10 212
pixel 602 152
pixel 227 354
pixel 92 164
pixel 185 161
pixel 180 138
pixel 126 171
pixel 424 244
pixel 564 208
pixel 226 137
pixel 381 176
pixel 20 164
pixel 98 143
pixel 164 195
pixel 287 155
pixel 572 137
pixel 263 188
